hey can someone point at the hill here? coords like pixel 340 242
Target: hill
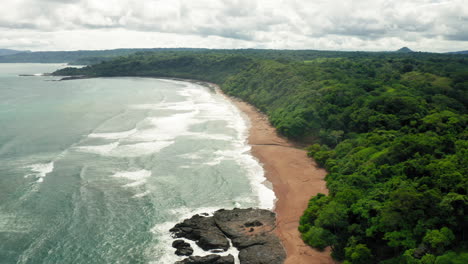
pixel 404 50
pixel 5 52
pixel 80 57
pixel 459 52
pixel 89 57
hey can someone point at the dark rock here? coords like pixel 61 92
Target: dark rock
pixel 229 259
pixel 180 243
pixel 261 254
pixel 232 222
pixel 203 231
pixel 212 240
pixel 253 223
pixel 184 251
pixel 210 259
pixel 248 241
pixel 250 230
pixel 256 246
pixel 183 248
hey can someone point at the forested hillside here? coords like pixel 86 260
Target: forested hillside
pixel 390 128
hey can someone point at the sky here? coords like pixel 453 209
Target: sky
pixel 364 25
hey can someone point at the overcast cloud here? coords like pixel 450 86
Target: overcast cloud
pixel 425 25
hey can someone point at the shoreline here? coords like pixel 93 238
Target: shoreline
pixel 295 178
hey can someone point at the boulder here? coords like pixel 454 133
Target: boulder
pixel 210 259
pixel 270 253
pixel 183 248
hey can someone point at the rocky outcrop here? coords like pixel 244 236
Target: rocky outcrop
pixel 183 248
pixel 210 259
pixel 203 231
pixel 250 230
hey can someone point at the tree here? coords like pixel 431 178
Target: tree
pixel 319 238
pixel 358 254
pixel 438 240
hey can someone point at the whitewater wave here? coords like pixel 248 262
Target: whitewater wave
pixel 136 178
pixel 100 149
pixel 115 135
pixel 40 170
pixel 261 187
pixel 218 107
pixel 155 133
pixel 179 106
pixel 140 195
pixel 116 149
pixel 242 154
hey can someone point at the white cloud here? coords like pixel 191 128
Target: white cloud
pixel 430 25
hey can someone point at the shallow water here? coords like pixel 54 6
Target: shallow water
pixel 98 170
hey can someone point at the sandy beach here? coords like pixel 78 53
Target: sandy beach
pixel 295 178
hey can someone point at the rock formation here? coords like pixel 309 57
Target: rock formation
pixel 210 259
pixel 183 248
pixel 250 230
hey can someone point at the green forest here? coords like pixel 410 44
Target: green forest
pixel 390 128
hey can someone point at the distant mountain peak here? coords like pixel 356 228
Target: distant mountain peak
pixel 405 50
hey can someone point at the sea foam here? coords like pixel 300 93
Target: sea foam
pixel 255 173
pixel 155 133
pixel 135 178
pixel 218 107
pixel 116 149
pixel 40 170
pixel 115 135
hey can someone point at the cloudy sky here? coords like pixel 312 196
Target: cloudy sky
pixel 423 25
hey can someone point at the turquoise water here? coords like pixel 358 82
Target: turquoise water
pixel 98 170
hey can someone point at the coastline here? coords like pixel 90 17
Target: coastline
pixel 295 178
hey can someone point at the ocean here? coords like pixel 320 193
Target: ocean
pixel 98 170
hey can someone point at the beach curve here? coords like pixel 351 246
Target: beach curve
pixel 295 178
